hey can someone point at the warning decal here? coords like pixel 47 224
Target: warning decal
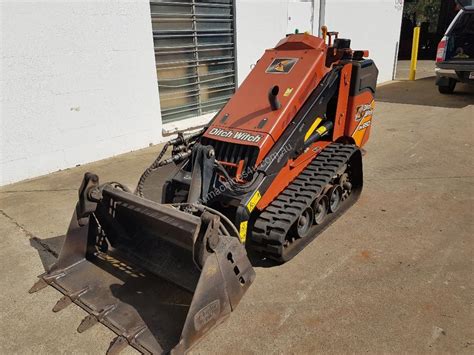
pixel 281 65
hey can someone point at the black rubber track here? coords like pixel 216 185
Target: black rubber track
pixel 271 228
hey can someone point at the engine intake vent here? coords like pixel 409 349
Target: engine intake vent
pixel 231 155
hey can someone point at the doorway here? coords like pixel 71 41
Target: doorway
pixel 433 17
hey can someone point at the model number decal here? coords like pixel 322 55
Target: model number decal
pixel 364 125
pixel 364 111
pixel 241 136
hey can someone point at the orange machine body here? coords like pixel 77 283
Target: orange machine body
pixel 249 111
pixel 298 66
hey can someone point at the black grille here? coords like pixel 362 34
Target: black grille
pixel 233 153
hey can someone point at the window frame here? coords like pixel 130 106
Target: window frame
pixel 196 107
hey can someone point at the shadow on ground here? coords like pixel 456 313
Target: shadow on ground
pixel 425 92
pixel 48 249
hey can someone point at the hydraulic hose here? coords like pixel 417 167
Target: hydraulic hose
pixel 150 169
pixel 202 208
pixel 223 217
pixel 233 185
pixel 181 154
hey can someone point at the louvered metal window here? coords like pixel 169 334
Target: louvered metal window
pixel 195 55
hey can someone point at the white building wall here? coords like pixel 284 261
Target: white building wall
pixel 370 24
pixel 78 84
pixel 261 24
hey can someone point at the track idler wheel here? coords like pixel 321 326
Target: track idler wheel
pixel 346 186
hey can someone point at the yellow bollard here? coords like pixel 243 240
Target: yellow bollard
pixel 414 53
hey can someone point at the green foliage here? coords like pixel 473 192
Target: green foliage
pixel 425 10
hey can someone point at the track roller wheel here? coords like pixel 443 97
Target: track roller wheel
pixel 335 198
pixel 303 224
pixel 320 208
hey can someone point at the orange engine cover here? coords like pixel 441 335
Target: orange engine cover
pixel 295 65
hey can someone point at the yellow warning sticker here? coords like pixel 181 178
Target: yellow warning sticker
pixel 288 92
pixel 243 231
pixel 254 200
pixel 321 130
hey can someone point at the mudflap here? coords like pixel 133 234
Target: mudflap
pixel 160 278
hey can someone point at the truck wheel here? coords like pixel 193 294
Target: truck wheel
pixel 448 89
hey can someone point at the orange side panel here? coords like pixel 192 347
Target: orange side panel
pixel 361 109
pixel 341 112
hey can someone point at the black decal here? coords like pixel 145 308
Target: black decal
pixel 281 65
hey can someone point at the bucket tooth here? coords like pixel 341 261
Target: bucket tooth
pixel 66 300
pixel 39 285
pixel 117 345
pixel 88 322
pixel 62 303
pixel 45 280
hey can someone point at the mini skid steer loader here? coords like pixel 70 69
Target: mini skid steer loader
pixel 273 168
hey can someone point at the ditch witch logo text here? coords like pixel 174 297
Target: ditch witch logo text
pixel 241 136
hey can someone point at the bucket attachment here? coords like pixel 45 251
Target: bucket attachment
pixel 159 277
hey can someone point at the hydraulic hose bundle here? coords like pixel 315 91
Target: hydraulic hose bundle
pixel 182 146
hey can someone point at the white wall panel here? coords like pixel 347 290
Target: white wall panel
pixel 78 84
pixel 260 25
pixel 300 16
pixel 370 24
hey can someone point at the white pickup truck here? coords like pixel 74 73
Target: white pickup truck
pixel 455 56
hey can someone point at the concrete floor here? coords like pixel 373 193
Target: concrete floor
pixel 424 69
pixel 394 274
